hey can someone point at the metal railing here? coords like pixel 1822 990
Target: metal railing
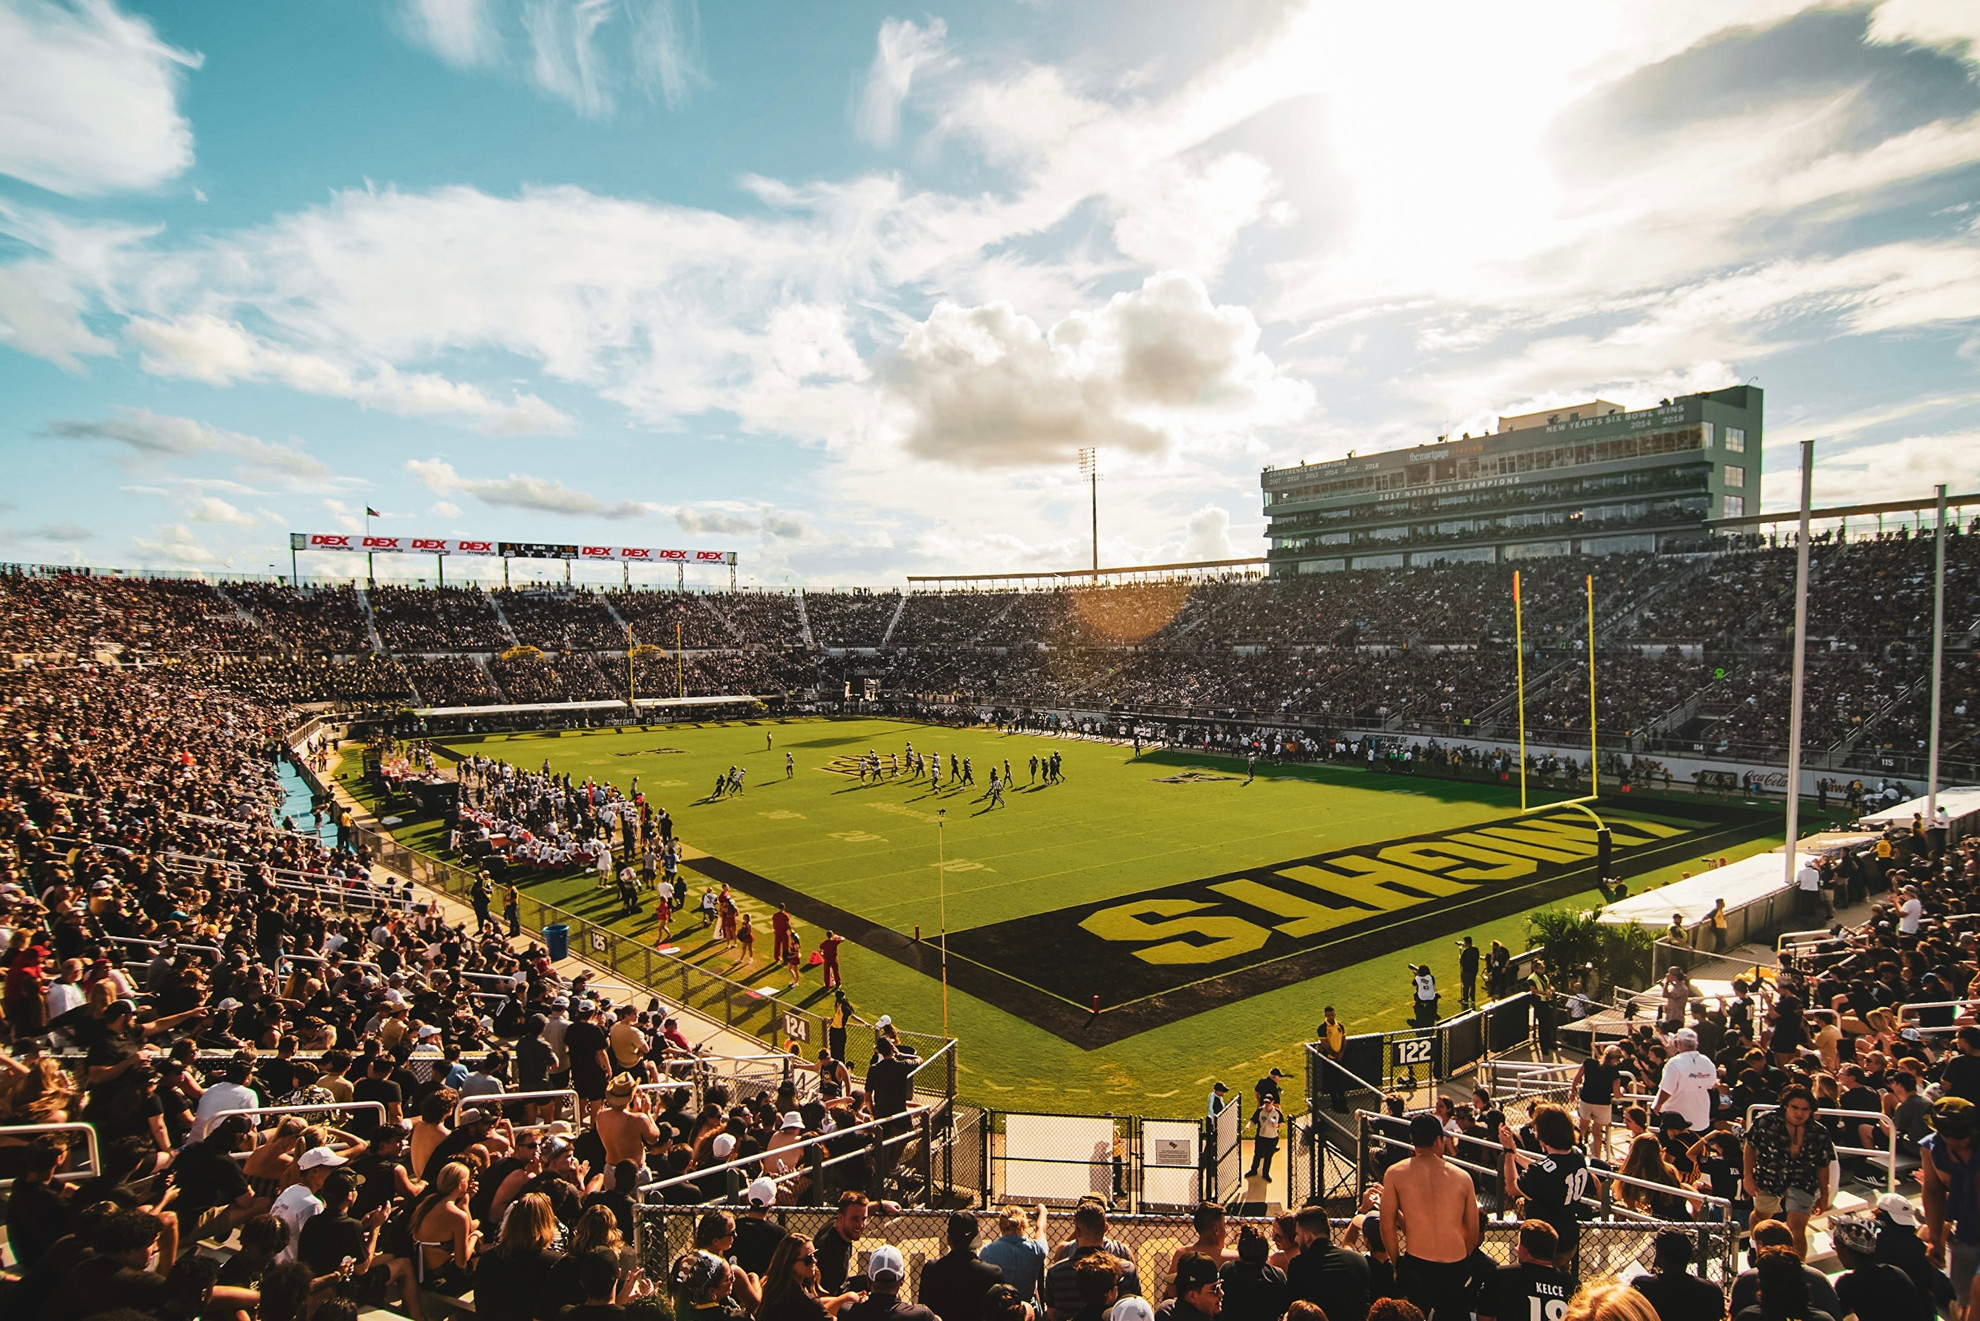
pixel 497 1100
pixel 95 1167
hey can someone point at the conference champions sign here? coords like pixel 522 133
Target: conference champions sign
pixel 521 550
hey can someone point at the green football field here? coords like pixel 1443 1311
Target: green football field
pixel 1152 851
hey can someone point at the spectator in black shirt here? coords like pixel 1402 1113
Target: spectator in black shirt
pixel 757 1236
pixel 834 1243
pixel 1783 1290
pixel 36 1213
pixel 1530 1287
pixel 954 1286
pixel 1199 1291
pixel 1869 1289
pixel 209 1179
pixel 1324 1274
pixel 376 1085
pixel 1552 1187
pixel 1962 1071
pixel 511 1281
pixel 333 1243
pixel 1677 1294
pixel 1254 1289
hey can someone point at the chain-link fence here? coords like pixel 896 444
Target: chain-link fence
pixel 1607 1249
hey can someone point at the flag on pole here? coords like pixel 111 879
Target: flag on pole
pixel 369 512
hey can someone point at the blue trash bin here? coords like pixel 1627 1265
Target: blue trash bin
pixel 558 937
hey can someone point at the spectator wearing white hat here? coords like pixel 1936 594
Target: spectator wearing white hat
pixel 1687 1084
pixel 757 1236
pixel 299 1201
pixel 886 1271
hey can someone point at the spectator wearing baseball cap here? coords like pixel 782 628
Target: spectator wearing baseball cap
pixel 886 1271
pixel 955 1285
pixel 1199 1290
pixel 299 1201
pixel 757 1236
pixel 1950 1174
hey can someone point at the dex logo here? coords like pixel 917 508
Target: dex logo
pixel 324 541
pixel 428 544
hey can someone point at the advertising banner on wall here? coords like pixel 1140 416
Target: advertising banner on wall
pixel 523 550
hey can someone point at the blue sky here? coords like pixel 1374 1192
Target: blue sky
pixel 845 287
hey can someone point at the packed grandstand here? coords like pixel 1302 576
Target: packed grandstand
pixel 1692 650
pixel 249 1072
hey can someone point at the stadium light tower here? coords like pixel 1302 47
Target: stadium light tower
pixel 1089 468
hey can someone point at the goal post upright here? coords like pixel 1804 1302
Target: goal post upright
pixel 1519 662
pixel 1594 766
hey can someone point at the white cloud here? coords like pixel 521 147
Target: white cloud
pixel 1905 468
pixel 1209 535
pixel 584 52
pixel 739 520
pixel 174 544
pixel 144 434
pixel 461 32
pixel 89 99
pixel 70 269
pixel 1952 25
pixel 520 491
pixel 444 509
pixel 983 387
pixel 207 348
pixel 903 49
pixel 212 509
pixel 1185 217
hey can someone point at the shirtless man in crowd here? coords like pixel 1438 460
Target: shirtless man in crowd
pixel 1430 1222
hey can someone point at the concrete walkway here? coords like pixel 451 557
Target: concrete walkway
pixel 718 1038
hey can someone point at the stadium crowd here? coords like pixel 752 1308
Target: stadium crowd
pixel 175 961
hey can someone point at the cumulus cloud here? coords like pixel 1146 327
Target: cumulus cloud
pixel 219 352
pixel 984 387
pixel 212 509
pixel 903 49
pixel 174 544
pixel 142 434
pixel 1208 535
pixel 521 491
pixel 89 99
pixel 583 52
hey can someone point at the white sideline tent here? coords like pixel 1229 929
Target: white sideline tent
pixel 1748 881
pixel 1962 806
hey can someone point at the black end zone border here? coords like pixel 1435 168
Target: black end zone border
pixel 1046 967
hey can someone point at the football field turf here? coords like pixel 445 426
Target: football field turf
pixel 1213 918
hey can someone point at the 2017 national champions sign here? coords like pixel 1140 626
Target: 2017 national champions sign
pixel 508 550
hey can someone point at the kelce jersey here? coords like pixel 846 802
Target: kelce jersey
pixel 1525 1293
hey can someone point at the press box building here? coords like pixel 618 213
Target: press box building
pixel 1592 479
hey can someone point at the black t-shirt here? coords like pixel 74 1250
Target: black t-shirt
pixel 1552 1185
pixel 1598 1083
pixel 206 1176
pixel 516 1286
pixel 382 1090
pixel 1333 1278
pixel 326 1240
pixel 97 1284
pixel 755 1241
pixel 1526 1292
pixel 1682 1297
pixel 584 1312
pixel 1881 1292
pixel 582 1042
pixel 1962 1077
pixel 378 1185
pixel 36 1217
pixel 793 1305
pixel 1253 1292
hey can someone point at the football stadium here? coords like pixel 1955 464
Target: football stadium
pixel 1164 663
